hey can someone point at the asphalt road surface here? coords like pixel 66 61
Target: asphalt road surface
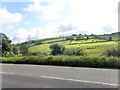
pixel 40 76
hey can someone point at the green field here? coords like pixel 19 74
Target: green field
pixel 91 47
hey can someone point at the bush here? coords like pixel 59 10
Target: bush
pixel 57 49
pixel 113 52
pixel 37 54
pixel 74 51
pixel 24 49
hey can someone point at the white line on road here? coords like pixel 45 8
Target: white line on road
pixel 6 73
pixel 102 83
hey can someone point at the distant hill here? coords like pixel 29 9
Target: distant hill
pixel 63 39
pixel 116 33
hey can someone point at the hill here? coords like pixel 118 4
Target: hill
pixel 93 45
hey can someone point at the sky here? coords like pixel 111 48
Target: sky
pixel 37 19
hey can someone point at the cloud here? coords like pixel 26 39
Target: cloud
pixel 79 16
pixel 7 17
pixel 93 15
pixel 49 11
pixel 107 29
pixel 65 28
pixel 53 11
pixel 27 22
pixel 26 35
pixel 90 16
pixel 34 7
pixel 22 34
pixel 10 27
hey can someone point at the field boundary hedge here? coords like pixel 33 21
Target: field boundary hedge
pixel 72 61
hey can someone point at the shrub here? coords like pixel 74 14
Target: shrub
pixel 15 50
pixel 57 49
pixel 113 52
pixel 74 51
pixel 37 54
pixel 24 49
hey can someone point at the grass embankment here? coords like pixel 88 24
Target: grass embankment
pixel 72 61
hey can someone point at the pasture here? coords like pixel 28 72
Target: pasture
pixel 91 47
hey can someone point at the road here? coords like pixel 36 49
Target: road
pixel 40 76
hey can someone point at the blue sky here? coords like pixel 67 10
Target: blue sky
pixel 23 21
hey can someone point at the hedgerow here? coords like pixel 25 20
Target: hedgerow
pixel 72 61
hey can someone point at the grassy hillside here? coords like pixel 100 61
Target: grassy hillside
pixel 92 47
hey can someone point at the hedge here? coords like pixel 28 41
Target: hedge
pixel 72 61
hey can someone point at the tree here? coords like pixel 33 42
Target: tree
pixel 24 49
pixel 71 40
pixel 78 37
pixel 57 49
pixel 15 50
pixel 6 44
pixel 80 34
pixel 92 34
pixel 74 34
pixel 87 37
pixel 110 38
pixel 82 37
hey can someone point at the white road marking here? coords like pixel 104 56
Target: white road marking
pixel 102 83
pixel 6 73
